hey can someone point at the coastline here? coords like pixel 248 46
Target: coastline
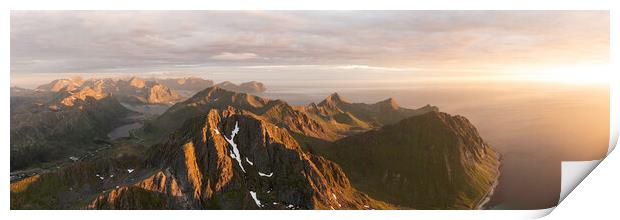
pixel 491 191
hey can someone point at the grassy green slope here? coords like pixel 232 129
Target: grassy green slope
pixel 431 161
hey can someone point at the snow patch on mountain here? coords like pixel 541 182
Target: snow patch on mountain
pixel 234 153
pixel 253 194
pixel 265 175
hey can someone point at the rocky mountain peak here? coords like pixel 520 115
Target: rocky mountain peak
pixel 71 97
pixel 228 160
pixel 191 83
pixel 389 103
pixel 253 86
pixel 219 96
pixel 62 84
pixel 334 99
pixel 133 90
pixel 247 87
pixel 137 82
pixel 159 93
pixel 429 107
pixel 213 92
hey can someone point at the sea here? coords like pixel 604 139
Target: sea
pixel 534 125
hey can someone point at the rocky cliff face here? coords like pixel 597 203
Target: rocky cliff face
pixel 230 160
pixel 430 161
pixel 157 191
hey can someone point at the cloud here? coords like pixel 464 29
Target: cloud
pixel 365 67
pixel 234 56
pixel 146 41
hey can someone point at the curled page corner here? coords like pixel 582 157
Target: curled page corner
pixel 540 213
pixel 614 115
pixel 573 172
pixel 613 132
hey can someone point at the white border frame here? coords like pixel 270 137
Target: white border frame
pixel 305 5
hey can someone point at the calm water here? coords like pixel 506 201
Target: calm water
pixel 144 111
pixel 535 126
pixel 123 131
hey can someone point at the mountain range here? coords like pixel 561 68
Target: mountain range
pixel 221 149
pixel 133 90
pixel 62 118
pixel 188 83
pixel 136 90
pixel 331 119
pixel 196 84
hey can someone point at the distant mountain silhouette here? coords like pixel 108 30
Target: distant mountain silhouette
pixel 187 83
pixel 247 87
pixel 134 90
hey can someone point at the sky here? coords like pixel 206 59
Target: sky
pixel 313 45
